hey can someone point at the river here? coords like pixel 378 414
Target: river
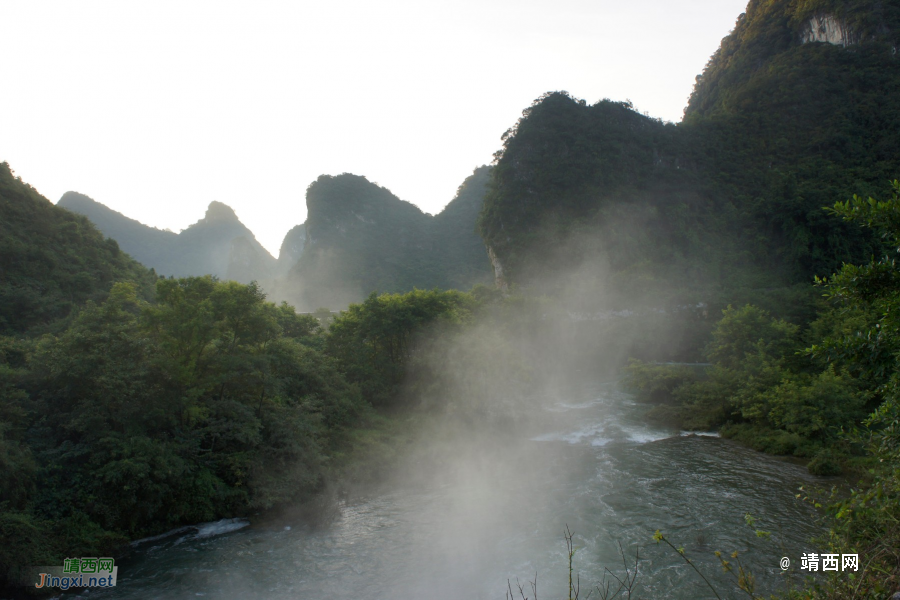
pixel 591 465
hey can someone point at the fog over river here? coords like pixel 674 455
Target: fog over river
pixel 500 514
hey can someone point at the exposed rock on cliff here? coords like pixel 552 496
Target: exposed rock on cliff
pixel 829 29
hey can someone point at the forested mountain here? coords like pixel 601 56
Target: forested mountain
pixel 797 109
pixel 361 238
pixel 218 244
pixel 52 260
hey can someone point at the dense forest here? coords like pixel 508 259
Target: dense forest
pixel 133 403
pixel 730 198
pixel 135 400
pixel 824 390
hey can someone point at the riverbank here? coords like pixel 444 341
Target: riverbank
pixel 466 510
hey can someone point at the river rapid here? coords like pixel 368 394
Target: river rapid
pixel 591 464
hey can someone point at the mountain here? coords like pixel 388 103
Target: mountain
pixel 797 109
pixel 361 238
pixel 152 247
pixel 291 249
pixel 218 244
pixel 458 249
pixel 358 238
pixel 52 260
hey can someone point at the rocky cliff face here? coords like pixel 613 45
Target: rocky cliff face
pixel 459 253
pixel 219 237
pixel 772 33
pixel 246 263
pixel 499 277
pixel 828 29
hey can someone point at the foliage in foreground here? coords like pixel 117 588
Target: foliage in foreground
pixel 140 417
pixel 208 402
pixel 760 389
pixel 831 390
pixel 868 521
pixel 375 340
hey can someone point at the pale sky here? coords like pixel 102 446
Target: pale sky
pixel 157 108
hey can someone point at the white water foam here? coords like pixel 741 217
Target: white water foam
pixel 643 435
pixel 164 535
pixel 202 530
pixel 221 526
pixel 601 434
pixel 561 406
pixel 572 437
pixel 610 423
pixel 580 405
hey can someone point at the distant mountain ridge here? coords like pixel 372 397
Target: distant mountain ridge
pixel 52 261
pixel 361 238
pixel 218 244
pixel 358 238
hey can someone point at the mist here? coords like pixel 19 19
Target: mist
pixel 606 360
pixel 514 426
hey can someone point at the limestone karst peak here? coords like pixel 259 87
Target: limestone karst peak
pixel 218 211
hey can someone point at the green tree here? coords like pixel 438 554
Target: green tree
pixel 874 350
pixel 374 341
pixel 141 416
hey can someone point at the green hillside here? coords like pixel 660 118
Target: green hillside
pixel 778 126
pixel 52 260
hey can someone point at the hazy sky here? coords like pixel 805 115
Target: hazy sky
pixel 157 108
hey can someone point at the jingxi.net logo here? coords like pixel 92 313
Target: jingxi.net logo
pixel 79 573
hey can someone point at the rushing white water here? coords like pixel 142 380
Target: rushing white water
pixel 596 468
